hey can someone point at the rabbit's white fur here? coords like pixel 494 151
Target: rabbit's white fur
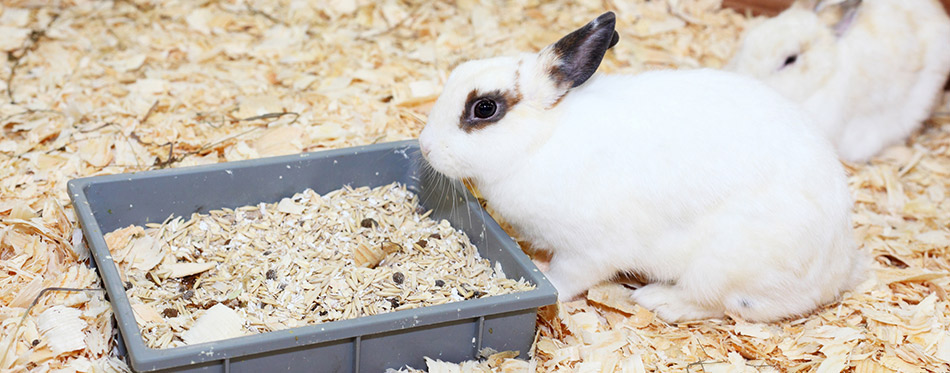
pixel 866 89
pixel 709 183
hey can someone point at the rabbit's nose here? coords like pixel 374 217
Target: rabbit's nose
pixel 425 150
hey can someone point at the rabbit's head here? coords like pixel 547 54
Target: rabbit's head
pixel 795 52
pixel 493 113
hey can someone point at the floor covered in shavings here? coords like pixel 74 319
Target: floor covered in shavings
pixel 104 87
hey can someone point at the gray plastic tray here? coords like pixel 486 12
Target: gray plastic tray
pixel 450 332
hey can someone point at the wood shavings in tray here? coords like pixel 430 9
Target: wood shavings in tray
pixel 295 262
pixel 92 87
pixel 489 361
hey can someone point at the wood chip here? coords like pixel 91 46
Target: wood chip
pixel 217 323
pixel 62 329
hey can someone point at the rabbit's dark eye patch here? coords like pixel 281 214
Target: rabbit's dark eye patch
pixel 483 109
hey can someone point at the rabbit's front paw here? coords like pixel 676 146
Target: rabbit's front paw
pixel 572 277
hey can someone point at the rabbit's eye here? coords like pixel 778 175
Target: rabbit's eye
pixel 790 60
pixel 485 108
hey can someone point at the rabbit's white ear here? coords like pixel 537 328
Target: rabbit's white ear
pixel 807 4
pixel 575 57
pixel 838 14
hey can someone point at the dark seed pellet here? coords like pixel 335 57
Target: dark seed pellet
pixel 35 342
pixel 188 282
pixel 394 303
pixel 271 274
pixel 128 285
pixel 398 278
pixel 170 312
pixel 267 252
pixel 422 243
pixel 435 236
pixel 368 223
pixel 439 283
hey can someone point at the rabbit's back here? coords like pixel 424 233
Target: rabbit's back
pixel 703 122
pixel 661 148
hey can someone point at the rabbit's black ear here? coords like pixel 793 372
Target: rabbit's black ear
pixel 578 54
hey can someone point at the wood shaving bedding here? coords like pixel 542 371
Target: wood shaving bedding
pixel 299 261
pixel 95 87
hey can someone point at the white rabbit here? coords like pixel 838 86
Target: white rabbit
pixel 706 182
pixel 869 72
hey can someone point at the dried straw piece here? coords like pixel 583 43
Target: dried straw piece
pixel 369 256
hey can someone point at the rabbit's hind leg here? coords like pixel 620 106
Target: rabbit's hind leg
pixel 674 304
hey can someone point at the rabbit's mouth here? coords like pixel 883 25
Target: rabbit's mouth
pixel 440 161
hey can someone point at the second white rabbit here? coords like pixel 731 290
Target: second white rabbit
pixel 869 72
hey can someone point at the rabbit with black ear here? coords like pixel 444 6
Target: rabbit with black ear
pixel 708 183
pixel 869 72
